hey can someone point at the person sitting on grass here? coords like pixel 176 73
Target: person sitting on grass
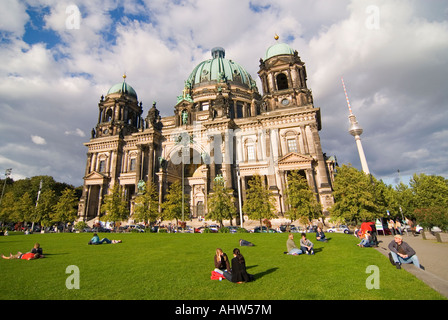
pixel 320 235
pixel 366 241
pixel 238 273
pixel 96 240
pixel 306 245
pixel 221 261
pixel 291 246
pixel 37 249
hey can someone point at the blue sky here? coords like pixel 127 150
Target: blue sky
pixel 391 53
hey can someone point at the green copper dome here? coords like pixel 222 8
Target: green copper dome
pixel 123 87
pixel 219 69
pixel 278 49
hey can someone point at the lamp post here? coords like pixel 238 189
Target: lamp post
pixel 239 193
pixel 181 155
pixel 183 186
pixel 7 174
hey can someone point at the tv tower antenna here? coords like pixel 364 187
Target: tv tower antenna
pixel 356 131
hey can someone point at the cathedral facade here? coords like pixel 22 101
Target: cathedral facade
pixel 222 126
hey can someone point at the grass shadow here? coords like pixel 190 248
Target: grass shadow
pixel 249 267
pixel 264 273
pixel 316 250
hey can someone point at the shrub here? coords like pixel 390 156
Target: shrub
pixel 241 230
pixel 80 225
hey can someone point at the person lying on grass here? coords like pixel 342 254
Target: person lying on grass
pixel 96 240
pixel 35 253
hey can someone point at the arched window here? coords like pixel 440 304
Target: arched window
pixel 109 115
pixel 282 81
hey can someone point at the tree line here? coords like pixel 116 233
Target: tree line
pixel 358 197
pixel 38 200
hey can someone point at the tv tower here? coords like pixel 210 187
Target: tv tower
pixel 356 131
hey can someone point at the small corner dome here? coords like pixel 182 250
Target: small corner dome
pixel 123 88
pixel 278 49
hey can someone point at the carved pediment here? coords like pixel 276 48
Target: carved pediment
pixel 95 176
pixel 295 158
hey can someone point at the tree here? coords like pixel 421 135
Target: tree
pixel 221 202
pixel 432 216
pixel 32 185
pixel 7 207
pixel 429 191
pixel 431 200
pixel 302 201
pixel 147 204
pixel 115 207
pixel 354 195
pixel 23 208
pixel 172 206
pixel 65 209
pixel 45 208
pixel 260 202
pixel 405 199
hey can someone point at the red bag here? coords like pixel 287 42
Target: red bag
pixel 216 276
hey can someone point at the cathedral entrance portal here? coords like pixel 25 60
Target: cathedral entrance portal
pixel 194 178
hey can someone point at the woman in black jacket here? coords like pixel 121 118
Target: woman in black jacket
pixel 238 273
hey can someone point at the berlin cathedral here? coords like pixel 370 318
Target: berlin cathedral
pixel 221 126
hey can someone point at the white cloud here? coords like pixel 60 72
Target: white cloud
pixel 13 17
pixel 77 132
pixel 38 140
pixel 396 75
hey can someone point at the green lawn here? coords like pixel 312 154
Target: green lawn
pixel 178 266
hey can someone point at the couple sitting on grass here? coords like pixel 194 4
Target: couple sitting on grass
pixel 306 246
pixel 238 272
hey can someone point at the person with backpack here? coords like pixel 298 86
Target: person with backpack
pixel 401 252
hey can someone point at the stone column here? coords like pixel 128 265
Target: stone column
pixel 138 165
pixel 100 201
pixel 151 162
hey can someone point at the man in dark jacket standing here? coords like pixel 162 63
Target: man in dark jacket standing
pixel 401 252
